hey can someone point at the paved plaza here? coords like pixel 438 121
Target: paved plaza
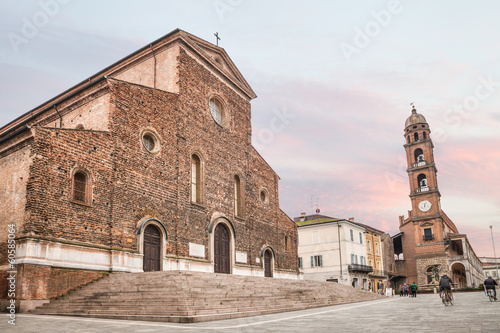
pixel 472 312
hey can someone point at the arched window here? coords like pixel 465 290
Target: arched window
pixel 288 244
pixel 425 135
pixel 195 178
pixel 419 155
pixel 422 180
pixel 415 136
pixel 81 187
pixel 238 207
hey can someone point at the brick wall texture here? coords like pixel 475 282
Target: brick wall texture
pixel 130 184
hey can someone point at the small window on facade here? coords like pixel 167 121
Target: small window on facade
pixel 428 234
pixel 424 135
pixel 238 207
pixel 81 188
pixel 300 263
pixel 369 246
pixel 415 136
pixel 195 179
pixel 352 235
pixel 360 238
pixel 317 261
pixel 263 196
pixel 150 141
pixel 287 243
pixel 217 111
pixel 79 127
pixel 376 249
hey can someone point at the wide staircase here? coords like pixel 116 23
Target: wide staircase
pixel 186 297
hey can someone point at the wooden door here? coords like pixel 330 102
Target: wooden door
pixel 222 256
pixel 268 267
pixel 152 249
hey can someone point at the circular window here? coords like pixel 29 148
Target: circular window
pixel 217 111
pixel 150 141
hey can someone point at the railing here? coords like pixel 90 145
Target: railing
pixel 360 268
pixel 379 272
pixel 457 258
pixel 428 237
pixel 419 164
pixel 423 189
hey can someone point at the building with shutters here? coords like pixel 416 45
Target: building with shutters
pixel 147 165
pixel 333 250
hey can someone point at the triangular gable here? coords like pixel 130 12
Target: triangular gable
pixel 218 57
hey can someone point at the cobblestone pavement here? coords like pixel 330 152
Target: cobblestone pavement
pixel 472 312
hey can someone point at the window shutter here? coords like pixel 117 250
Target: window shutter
pixel 321 261
pixel 312 261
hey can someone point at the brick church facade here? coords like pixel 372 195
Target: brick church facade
pixel 147 165
pixel 430 243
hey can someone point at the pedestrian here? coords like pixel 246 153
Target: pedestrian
pixel 414 289
pixel 406 289
pixel 401 292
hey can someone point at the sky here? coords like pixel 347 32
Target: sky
pixel 334 81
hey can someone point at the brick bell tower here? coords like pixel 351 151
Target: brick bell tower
pixel 425 229
pixel 424 191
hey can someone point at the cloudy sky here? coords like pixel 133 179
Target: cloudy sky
pixel 334 81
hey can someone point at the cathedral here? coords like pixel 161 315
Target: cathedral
pixel 147 165
pixel 430 242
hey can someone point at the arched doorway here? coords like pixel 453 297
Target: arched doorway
pixel 222 258
pixel 268 263
pixel 152 249
pixel 458 275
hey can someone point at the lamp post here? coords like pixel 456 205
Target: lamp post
pixel 494 252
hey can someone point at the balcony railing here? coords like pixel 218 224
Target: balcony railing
pixel 457 258
pixel 360 268
pixel 378 272
pixel 423 189
pixel 419 164
pixel 428 238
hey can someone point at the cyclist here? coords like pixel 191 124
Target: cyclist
pixel 489 283
pixel 445 283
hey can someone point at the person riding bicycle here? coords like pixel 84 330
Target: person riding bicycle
pixel 445 283
pixel 489 283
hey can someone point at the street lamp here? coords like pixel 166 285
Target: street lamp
pixel 494 253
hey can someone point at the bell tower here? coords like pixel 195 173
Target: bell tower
pixel 424 191
pixel 426 231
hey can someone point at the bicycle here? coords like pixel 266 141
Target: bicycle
pixel 490 293
pixel 446 297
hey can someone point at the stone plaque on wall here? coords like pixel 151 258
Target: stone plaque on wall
pixel 197 250
pixel 241 257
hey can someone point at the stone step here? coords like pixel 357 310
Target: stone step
pixel 176 296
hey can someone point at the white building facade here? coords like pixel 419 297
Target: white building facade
pixel 333 250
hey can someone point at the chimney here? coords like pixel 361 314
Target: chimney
pixel 401 220
pixel 302 217
pixel 351 219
